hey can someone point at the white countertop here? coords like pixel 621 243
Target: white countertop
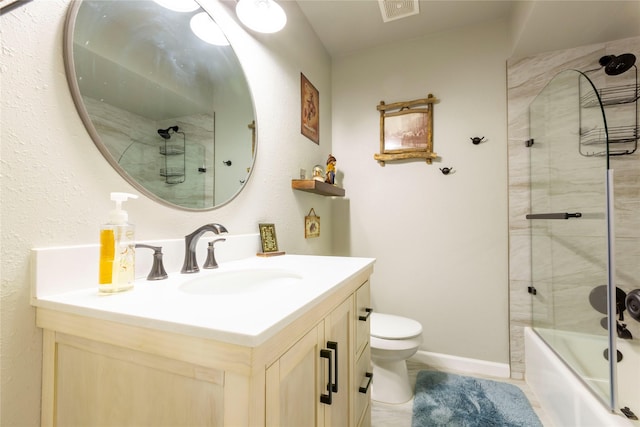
pixel 247 319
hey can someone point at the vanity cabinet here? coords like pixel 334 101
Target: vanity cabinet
pixel 331 365
pixel 100 372
pixel 309 384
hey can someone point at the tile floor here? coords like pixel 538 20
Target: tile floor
pixel 384 415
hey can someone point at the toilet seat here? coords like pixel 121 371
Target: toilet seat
pixel 391 327
pixel 407 344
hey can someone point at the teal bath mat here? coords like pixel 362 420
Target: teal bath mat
pixel 450 400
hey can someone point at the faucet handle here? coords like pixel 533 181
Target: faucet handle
pixel 157 269
pixel 211 258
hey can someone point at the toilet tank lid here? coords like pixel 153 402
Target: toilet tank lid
pixel 392 327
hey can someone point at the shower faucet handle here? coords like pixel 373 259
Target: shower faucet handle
pixel 157 269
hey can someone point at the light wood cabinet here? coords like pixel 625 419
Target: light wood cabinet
pixel 99 372
pixel 293 384
pixel 309 384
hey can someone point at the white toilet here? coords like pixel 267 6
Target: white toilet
pixel 394 339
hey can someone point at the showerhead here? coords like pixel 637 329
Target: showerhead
pixel 165 132
pixel 614 65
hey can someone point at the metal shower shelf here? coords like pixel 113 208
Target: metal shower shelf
pixel 175 169
pixel 171 150
pixel 171 172
pixel 625 94
pixel 622 140
pixel 173 175
pixel 617 140
pixel 617 135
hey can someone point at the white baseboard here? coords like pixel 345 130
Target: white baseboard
pixel 462 364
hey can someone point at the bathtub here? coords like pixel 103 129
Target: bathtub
pixel 564 398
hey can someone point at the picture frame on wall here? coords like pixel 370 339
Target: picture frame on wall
pixel 268 240
pixel 311 225
pixel 310 110
pixel 406 130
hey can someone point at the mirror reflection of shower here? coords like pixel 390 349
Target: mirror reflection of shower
pixel 174 171
pixel 165 132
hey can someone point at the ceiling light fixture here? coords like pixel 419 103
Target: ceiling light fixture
pixel 206 29
pixel 179 5
pixel 263 16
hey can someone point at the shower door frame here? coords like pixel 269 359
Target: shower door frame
pixel 581 78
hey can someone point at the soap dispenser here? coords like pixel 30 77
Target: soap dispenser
pixel 117 249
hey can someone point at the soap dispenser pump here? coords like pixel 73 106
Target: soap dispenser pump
pixel 117 249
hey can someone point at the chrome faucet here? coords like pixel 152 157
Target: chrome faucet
pixel 190 242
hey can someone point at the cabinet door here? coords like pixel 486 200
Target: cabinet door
pixel 339 337
pixel 293 383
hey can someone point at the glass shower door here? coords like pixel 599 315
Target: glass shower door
pixel 569 229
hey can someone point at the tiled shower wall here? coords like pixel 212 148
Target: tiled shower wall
pixel 526 77
pixel 134 143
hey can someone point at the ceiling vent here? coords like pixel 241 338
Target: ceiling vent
pixel 396 9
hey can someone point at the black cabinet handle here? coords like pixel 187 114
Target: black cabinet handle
pixel 366 316
pixel 332 345
pixel 326 398
pixel 365 389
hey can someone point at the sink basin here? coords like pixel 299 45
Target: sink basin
pixel 242 282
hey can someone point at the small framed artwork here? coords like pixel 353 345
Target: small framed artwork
pixel 311 225
pixel 310 110
pixel 406 130
pixel 268 240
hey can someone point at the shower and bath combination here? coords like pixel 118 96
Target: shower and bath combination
pixel 579 123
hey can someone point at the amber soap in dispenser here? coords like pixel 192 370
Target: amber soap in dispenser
pixel 117 249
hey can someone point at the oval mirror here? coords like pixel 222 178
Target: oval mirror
pixel 171 111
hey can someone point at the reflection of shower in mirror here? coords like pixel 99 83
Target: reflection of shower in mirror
pixel 165 132
pixel 159 76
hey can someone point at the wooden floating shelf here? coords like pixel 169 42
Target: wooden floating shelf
pixel 317 187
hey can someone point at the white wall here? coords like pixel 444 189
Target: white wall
pixel 55 184
pixel 440 241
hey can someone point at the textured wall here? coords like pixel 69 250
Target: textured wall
pixel 55 183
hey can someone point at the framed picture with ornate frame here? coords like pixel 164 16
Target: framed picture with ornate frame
pixel 268 240
pixel 310 110
pixel 406 130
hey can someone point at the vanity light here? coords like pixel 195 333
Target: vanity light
pixel 263 16
pixel 179 5
pixel 206 29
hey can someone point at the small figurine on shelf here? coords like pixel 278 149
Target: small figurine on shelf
pixel 331 170
pixel 318 173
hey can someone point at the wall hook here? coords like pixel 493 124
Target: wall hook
pixel 477 140
pixel 227 162
pixel 446 171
